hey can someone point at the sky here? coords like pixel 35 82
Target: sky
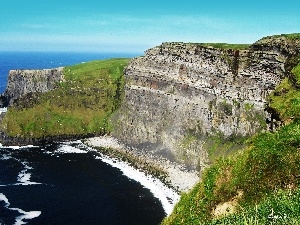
pixel 135 26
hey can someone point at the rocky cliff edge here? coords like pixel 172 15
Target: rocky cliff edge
pixel 22 82
pixel 179 95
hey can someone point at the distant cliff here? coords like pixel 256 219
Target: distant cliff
pixel 179 95
pixel 41 109
pixel 22 82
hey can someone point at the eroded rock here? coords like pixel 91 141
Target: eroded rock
pixel 179 94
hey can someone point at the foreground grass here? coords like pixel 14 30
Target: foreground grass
pixel 81 105
pixel 282 207
pixel 263 179
pixel 270 165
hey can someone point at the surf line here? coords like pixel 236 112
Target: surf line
pixel 24 215
pixel 167 196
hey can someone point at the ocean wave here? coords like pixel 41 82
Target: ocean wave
pixel 167 196
pixel 19 220
pixel 24 176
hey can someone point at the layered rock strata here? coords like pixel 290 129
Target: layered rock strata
pixel 22 82
pixel 178 95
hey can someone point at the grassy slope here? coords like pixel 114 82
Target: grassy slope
pixel 262 181
pixel 81 105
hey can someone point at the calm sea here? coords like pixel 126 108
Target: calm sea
pixel 69 183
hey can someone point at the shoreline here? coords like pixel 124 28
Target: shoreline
pixel 171 174
pixel 165 179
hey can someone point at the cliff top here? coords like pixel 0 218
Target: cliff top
pixel 210 45
pixel 287 44
pixel 274 42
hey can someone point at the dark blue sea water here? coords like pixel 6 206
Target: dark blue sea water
pixel 47 60
pixel 68 184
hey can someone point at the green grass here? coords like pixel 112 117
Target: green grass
pixel 81 105
pixel 296 73
pixel 282 207
pixel 293 36
pixel 226 46
pixel 286 98
pixel 269 165
pixel 218 146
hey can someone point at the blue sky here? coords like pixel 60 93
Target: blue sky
pixel 134 26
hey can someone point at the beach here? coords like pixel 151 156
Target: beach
pixel 176 175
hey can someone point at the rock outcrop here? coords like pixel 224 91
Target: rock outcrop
pixel 178 95
pixel 23 82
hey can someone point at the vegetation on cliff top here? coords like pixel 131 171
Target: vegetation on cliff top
pixel 257 185
pixel 293 36
pixel 81 105
pixel 226 46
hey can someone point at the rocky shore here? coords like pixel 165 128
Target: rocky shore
pixel 173 174
pixel 7 140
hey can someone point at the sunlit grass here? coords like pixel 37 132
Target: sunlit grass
pixel 81 105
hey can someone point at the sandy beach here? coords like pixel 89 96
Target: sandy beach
pixel 177 176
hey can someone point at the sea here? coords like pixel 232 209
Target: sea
pixel 69 182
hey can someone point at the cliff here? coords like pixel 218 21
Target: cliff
pixel 180 95
pixel 23 82
pixel 42 109
pixel 181 100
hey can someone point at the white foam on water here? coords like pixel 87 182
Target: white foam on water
pixel 26 215
pixel 5 157
pixel 24 176
pixel 72 142
pixel 29 146
pixel 69 149
pixel 15 147
pixel 3 198
pixel 167 196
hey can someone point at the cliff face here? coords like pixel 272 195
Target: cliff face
pixel 22 82
pixel 178 95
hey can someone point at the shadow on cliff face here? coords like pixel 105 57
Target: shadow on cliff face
pixel 156 149
pixel 4 102
pixel 161 151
